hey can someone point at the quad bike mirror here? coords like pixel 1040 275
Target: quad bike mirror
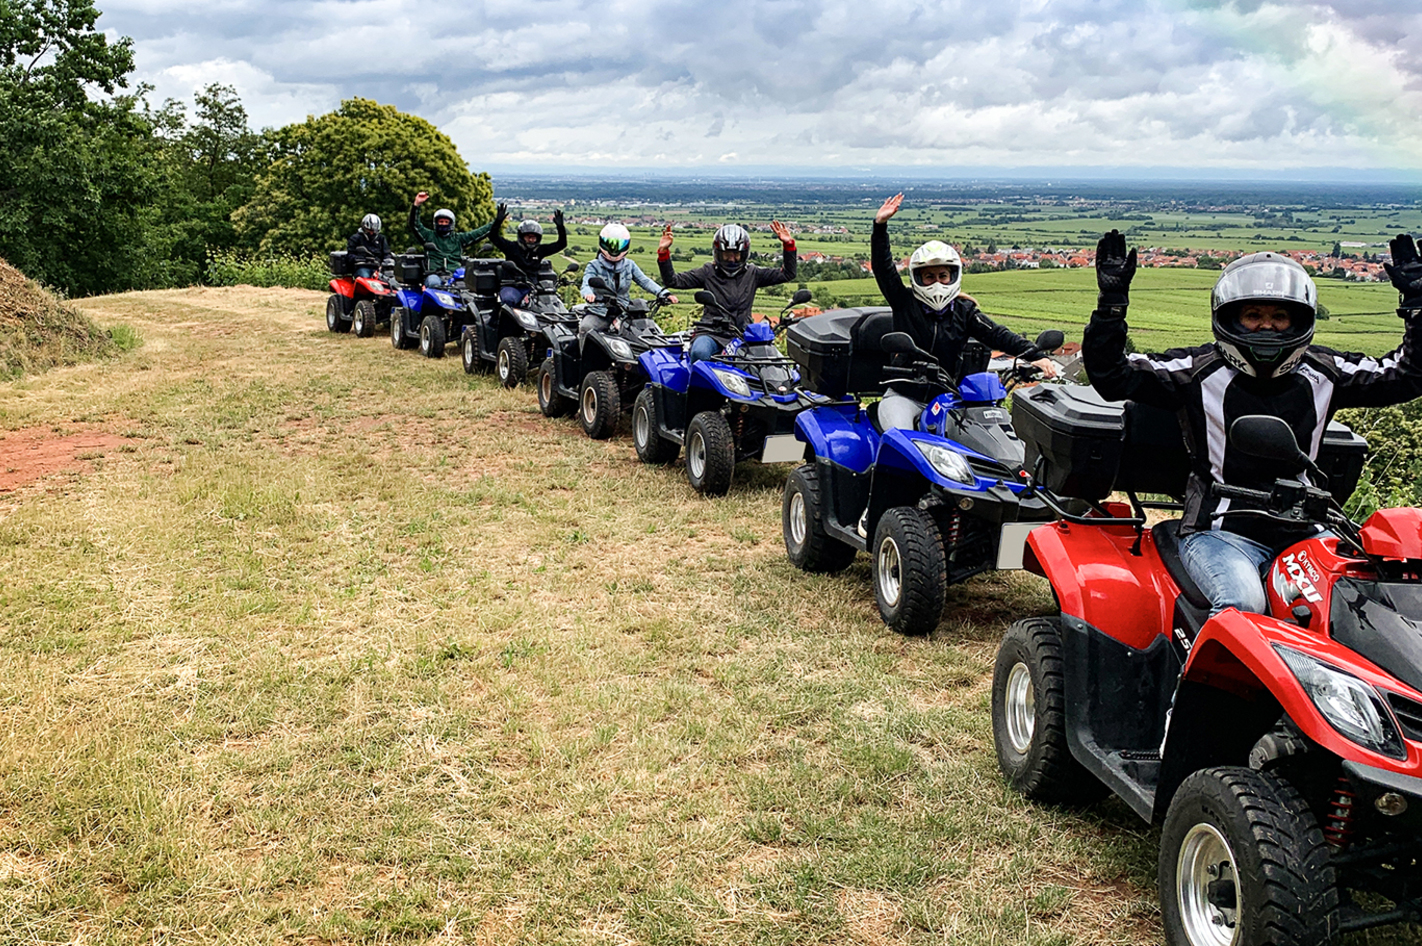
pixel 597 282
pixel 1049 341
pixel 800 297
pixel 430 247
pixel 572 268
pixel 706 297
pixel 1267 438
pixel 898 343
pixel 487 250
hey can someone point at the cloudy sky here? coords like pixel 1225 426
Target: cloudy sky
pixel 810 84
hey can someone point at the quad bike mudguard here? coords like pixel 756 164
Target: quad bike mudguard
pixel 839 434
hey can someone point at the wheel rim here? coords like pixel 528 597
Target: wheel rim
pixel 1020 708
pixel 331 317
pixel 425 339
pixel 468 352
pixel 505 369
pixel 396 328
pixel 890 566
pixel 1207 888
pixel 799 525
pixel 545 388
pixel 589 405
pixel 641 427
pixel 696 455
pixel 358 321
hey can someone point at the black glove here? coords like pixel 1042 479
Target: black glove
pixel 558 219
pixel 1405 270
pixel 501 213
pixel 1114 270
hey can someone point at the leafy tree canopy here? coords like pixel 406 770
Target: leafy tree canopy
pixel 329 171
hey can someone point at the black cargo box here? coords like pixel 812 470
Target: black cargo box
pixel 1093 447
pixel 340 263
pixel 481 276
pixel 838 351
pixel 410 268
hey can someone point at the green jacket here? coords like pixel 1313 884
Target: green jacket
pixel 449 249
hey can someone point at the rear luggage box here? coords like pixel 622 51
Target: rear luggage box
pixel 1082 446
pixel 410 268
pixel 340 263
pixel 838 352
pixel 481 276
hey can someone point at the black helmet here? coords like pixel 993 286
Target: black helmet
pixel 527 229
pixel 730 237
pixel 1269 279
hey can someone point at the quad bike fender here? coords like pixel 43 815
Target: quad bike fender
pixel 443 299
pixel 666 367
pixel 410 298
pixel 343 287
pixel 1236 653
pixel 707 376
pixel 840 434
pixel 1097 579
pixel 373 286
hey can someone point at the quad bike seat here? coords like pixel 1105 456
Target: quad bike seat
pixel 1167 543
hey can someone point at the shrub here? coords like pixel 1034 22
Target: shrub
pixel 292 272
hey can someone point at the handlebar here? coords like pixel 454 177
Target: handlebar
pixel 1225 491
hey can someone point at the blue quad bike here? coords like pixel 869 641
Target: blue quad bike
pixel 599 374
pixel 738 406
pixel 503 336
pixel 934 505
pixel 427 316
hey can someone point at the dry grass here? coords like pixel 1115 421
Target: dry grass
pixel 39 331
pixel 349 646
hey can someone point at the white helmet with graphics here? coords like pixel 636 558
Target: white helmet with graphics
pixel 930 287
pixel 370 223
pixel 613 242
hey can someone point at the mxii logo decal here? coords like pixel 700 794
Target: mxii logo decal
pixel 1295 575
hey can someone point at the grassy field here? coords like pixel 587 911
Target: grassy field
pixel 337 644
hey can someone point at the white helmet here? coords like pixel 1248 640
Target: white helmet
pixel 937 295
pixel 444 213
pixel 613 242
pixel 371 223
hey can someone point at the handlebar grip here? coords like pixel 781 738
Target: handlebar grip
pixel 1226 491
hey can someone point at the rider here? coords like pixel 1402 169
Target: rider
pixel 730 277
pixel 527 251
pixel 1262 361
pixel 368 245
pixel 614 268
pixel 449 245
pixel 933 312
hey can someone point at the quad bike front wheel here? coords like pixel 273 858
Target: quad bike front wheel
pixel 550 402
pixel 363 319
pixel 432 337
pixel 398 338
pixel 710 453
pixel 910 570
pixel 808 545
pixel 511 361
pixel 1029 716
pixel 336 314
pixel 1244 863
pixel 651 446
pixel 469 351
pixel 599 405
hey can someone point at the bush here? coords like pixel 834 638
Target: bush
pixel 292 272
pixel 1392 475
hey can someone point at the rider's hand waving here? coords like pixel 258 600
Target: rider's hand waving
pixel 782 232
pixel 666 241
pixel 1114 270
pixel 1405 270
pixel 501 214
pixel 889 208
pixel 558 217
pixel 421 197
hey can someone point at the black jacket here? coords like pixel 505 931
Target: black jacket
pixel 943 337
pixel 361 247
pixel 735 293
pixel 527 259
pixel 1207 395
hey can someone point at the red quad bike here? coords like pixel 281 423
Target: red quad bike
pixel 357 305
pixel 1281 752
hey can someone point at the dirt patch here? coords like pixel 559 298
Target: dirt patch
pixel 36 452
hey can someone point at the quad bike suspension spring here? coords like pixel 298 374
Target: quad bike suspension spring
pixel 1338 829
pixel 740 426
pixel 952 528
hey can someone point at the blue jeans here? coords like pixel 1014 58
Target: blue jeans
pixel 1227 568
pixel 364 272
pixel 513 295
pixel 433 280
pixel 703 348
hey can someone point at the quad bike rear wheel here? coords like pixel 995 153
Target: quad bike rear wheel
pixel 550 402
pixel 336 320
pixel 910 570
pixel 363 319
pixel 398 338
pixel 710 453
pixel 651 446
pixel 1244 863
pixel 511 361
pixel 802 521
pixel 599 404
pixel 432 337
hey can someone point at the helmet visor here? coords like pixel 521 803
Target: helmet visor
pixel 944 273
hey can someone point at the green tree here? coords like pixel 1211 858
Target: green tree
pixel 78 175
pixel 329 171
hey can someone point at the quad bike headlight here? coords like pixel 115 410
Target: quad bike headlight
pixel 1350 705
pixel 527 319
pixel 733 382
pixel 946 462
pixel 619 348
pixel 445 299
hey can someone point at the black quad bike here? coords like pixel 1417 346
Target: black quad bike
pixel 600 374
pixel 508 337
